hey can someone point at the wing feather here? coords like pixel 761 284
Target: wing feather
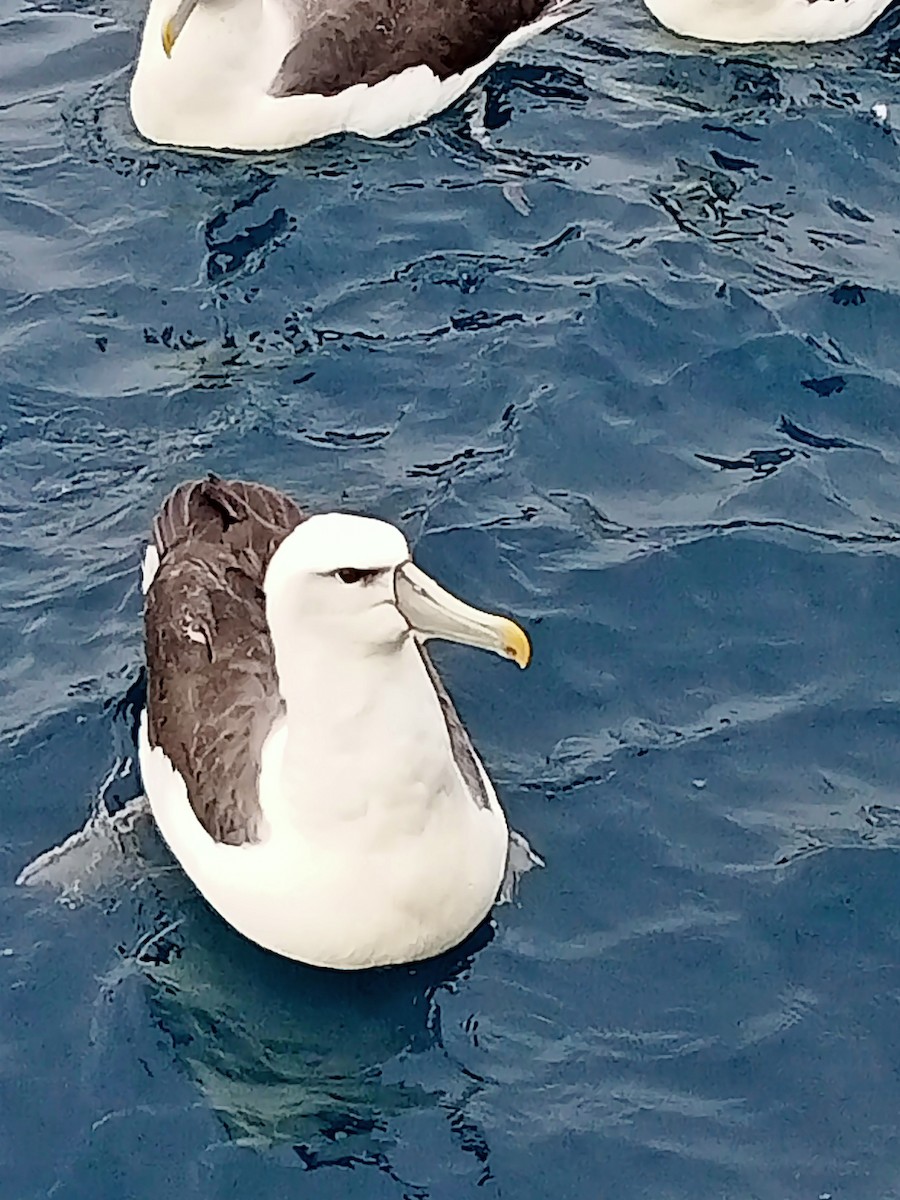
pixel 369 40
pixel 212 685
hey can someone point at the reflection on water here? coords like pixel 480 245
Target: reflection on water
pixel 285 1055
pixel 293 1055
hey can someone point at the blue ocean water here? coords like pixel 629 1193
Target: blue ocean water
pixel 615 342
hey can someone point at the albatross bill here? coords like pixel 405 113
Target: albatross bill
pixel 434 613
pixel 173 27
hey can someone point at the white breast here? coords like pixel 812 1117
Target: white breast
pixel 354 895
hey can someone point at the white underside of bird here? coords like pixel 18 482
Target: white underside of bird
pixel 396 881
pixel 214 91
pixel 746 21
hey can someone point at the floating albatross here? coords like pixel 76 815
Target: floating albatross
pixel 300 755
pixel 745 21
pixel 271 74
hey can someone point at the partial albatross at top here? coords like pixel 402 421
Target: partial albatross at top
pixel 272 74
pixel 300 755
pixel 745 21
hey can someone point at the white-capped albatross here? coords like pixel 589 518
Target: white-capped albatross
pixel 272 74
pixel 745 21
pixel 300 756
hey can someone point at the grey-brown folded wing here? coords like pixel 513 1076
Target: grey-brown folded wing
pixel 247 518
pixel 460 742
pixel 212 686
pixel 366 41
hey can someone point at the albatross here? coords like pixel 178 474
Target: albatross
pixel 301 758
pixel 273 74
pixel 746 21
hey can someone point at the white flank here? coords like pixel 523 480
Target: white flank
pixel 149 567
pixel 746 21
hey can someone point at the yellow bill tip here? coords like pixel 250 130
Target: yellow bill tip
pixel 516 644
pixel 168 38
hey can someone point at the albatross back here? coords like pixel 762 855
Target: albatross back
pixel 212 686
pixel 367 41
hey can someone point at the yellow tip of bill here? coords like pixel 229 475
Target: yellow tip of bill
pixel 516 644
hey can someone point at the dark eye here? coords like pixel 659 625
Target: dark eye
pixel 354 575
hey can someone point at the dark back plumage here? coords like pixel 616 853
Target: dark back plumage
pixel 369 40
pixel 212 687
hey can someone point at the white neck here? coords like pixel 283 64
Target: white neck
pixel 365 751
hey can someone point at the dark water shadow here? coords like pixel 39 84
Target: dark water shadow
pixel 317 1063
pixel 290 1055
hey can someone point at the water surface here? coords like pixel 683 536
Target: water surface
pixel 615 342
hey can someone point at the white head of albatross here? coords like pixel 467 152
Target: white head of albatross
pixel 346 587
pixel 300 754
